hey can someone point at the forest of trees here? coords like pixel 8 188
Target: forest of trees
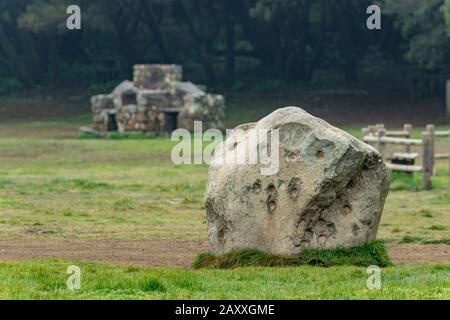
pixel 218 42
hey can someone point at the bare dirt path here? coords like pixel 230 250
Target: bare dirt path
pixel 171 253
pixel 410 253
pixel 154 253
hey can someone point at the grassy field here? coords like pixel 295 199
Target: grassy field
pixel 76 188
pixel 47 280
pixel 54 186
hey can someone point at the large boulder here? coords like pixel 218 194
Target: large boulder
pixel 329 190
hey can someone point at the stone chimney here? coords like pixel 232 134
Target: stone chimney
pixel 156 76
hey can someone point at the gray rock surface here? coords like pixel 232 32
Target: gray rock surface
pixel 329 190
pixel 101 104
pixel 124 89
pixel 208 108
pixel 156 76
pixel 188 88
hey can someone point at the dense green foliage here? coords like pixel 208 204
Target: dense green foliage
pixel 373 253
pixel 220 42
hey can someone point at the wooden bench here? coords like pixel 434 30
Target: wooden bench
pixel 404 162
pixel 404 156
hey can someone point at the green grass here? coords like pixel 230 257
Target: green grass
pixel 441 241
pixel 47 280
pixel 405 182
pixel 415 239
pixel 412 239
pixel 116 136
pixel 42 179
pixel 373 253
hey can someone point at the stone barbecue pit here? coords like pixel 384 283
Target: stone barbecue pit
pixel 158 101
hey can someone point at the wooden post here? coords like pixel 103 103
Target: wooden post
pixel 427 164
pixel 430 129
pixel 408 127
pixel 447 93
pixel 381 146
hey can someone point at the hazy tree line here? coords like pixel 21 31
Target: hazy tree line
pixel 217 41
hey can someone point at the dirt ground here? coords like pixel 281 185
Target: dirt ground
pixel 410 253
pixel 150 253
pixel 171 253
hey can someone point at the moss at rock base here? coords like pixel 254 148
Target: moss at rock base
pixel 373 253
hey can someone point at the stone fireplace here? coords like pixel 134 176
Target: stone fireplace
pixel 157 100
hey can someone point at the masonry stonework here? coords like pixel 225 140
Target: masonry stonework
pixel 157 100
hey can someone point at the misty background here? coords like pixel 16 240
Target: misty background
pixel 240 47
